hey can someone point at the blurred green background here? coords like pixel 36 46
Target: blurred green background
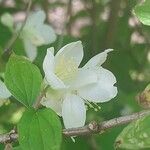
pixel 99 24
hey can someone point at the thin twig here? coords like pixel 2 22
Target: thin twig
pixel 112 24
pixel 91 128
pixel 8 48
pixel 93 143
pixel 68 16
pixel 37 103
pixel 45 5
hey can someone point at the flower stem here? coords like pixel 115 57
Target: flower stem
pixel 37 103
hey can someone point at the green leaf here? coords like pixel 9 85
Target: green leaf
pixel 17 148
pixel 23 79
pixel 142 11
pixel 136 135
pixel 40 130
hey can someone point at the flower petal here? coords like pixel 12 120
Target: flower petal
pixel 48 67
pixel 4 93
pixel 73 111
pixel 73 51
pixel 48 63
pixel 38 32
pixel 30 49
pixel 53 104
pixel 53 100
pixel 97 60
pixel 7 20
pixel 36 18
pixel 102 91
pixel 84 77
pixel 47 33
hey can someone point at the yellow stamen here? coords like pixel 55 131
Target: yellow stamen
pixel 66 69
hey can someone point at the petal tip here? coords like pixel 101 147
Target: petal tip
pixel 41 12
pixel 109 50
pixel 51 50
pixel 78 42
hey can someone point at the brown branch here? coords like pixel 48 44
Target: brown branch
pixel 91 128
pixel 45 5
pixel 67 21
pixel 17 34
pixel 112 23
pixel 68 16
pixel 8 137
pixel 94 127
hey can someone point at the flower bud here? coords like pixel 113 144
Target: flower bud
pixel 144 98
pixel 7 20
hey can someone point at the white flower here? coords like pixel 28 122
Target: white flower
pixel 4 93
pixel 61 70
pixel 91 83
pixel 55 101
pixel 35 32
pixel 7 20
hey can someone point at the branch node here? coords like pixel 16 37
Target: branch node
pixel 89 129
pixel 93 126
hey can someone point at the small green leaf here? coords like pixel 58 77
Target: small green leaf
pixel 142 11
pixel 40 130
pixel 136 135
pixel 23 79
